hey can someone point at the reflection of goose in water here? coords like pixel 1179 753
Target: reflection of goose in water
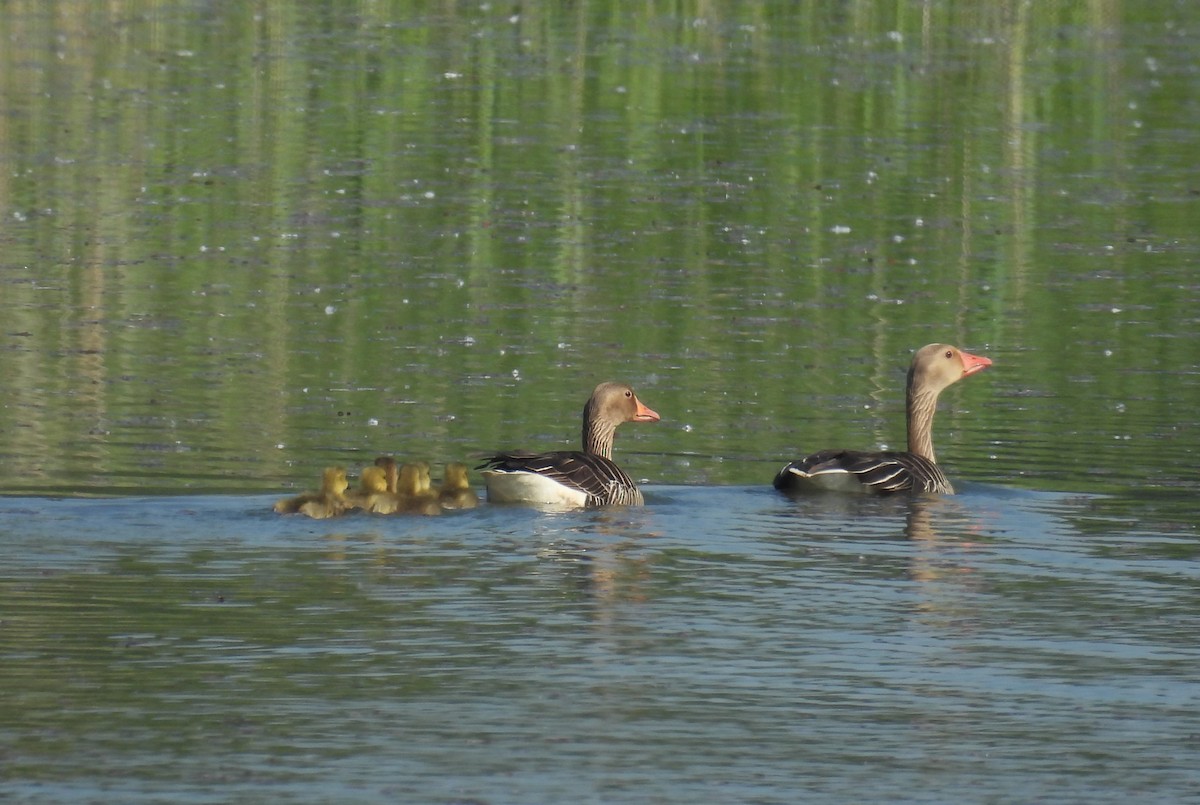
pixel 574 478
pixel 934 368
pixel 945 535
pixel 607 565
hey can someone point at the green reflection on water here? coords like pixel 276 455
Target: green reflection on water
pixel 241 243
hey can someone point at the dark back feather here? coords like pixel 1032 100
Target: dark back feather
pixel 884 473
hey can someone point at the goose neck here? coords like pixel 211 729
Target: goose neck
pixel 920 408
pixel 598 437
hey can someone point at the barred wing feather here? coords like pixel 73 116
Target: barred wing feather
pixel 598 478
pixel 881 473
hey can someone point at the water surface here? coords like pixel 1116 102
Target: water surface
pixel 242 242
pixel 722 643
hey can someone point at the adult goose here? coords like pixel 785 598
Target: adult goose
pixel 934 368
pixel 573 478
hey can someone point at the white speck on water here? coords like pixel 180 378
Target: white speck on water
pixel 895 36
pixel 687 428
pixel 372 422
pixel 840 230
pixel 1108 353
pixel 330 310
pixel 919 222
pixel 516 373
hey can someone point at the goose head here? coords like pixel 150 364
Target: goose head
pixel 935 367
pixel 333 481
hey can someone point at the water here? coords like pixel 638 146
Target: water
pixel 724 643
pixel 240 243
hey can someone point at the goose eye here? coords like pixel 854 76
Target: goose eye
pixel 949 353
pixel 628 393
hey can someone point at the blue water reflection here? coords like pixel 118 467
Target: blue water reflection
pixel 723 642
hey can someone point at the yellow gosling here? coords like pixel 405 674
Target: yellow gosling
pixel 371 482
pixel 391 471
pixel 414 490
pixel 330 501
pixel 456 491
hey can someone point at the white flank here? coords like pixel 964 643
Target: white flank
pixel 529 487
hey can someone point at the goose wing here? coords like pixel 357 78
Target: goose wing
pixel 602 481
pixel 882 473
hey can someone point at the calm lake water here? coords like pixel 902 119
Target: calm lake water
pixel 242 242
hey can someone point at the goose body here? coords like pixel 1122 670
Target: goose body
pixel 567 478
pixel 573 478
pixel 934 368
pixel 881 473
